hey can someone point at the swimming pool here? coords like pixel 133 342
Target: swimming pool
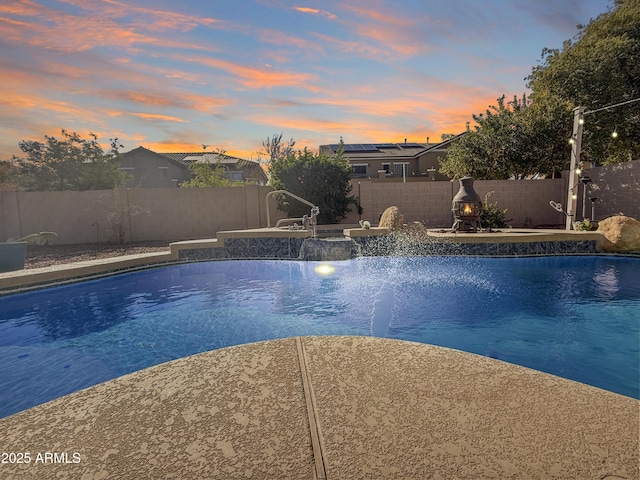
pixel 576 317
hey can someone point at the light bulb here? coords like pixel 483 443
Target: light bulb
pixel 574 196
pixel 581 121
pixel 578 171
pixel 614 134
pixel 572 141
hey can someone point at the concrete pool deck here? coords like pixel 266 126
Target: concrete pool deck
pixel 330 408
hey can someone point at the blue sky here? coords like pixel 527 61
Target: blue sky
pixel 172 76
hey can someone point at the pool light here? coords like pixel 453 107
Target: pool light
pixel 325 269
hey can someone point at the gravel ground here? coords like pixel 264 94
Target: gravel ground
pixel 47 255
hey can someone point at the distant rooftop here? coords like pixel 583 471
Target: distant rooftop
pixel 207 157
pixel 388 149
pixel 376 147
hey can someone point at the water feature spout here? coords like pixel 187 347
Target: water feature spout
pixel 314 209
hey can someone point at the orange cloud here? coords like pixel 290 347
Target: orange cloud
pixel 170 146
pixel 352 47
pixel 188 101
pixel 20 7
pixel 157 116
pixel 150 19
pixel 315 11
pixel 97 26
pixel 277 37
pixel 256 77
pixel 395 35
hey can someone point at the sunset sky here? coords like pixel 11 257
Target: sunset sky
pixel 172 75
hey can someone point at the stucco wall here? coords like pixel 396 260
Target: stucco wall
pixel 134 214
pixel 617 188
pixel 526 201
pixel 180 214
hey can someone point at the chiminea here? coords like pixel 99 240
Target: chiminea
pixel 466 207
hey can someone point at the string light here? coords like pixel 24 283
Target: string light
pixel 615 133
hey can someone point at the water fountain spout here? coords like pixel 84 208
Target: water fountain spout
pixel 313 221
pixel 314 209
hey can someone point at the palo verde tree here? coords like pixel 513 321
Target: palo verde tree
pixel 599 68
pixel 70 163
pixel 322 180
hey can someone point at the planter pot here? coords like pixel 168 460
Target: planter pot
pixel 12 256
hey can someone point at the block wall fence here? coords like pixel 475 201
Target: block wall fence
pixel 171 214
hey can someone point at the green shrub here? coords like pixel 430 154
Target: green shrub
pixel 585 225
pixel 492 216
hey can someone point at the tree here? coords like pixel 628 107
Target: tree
pixel 515 139
pixel 209 174
pixel 8 174
pixel 601 67
pixel 274 148
pixel 72 163
pixel 320 179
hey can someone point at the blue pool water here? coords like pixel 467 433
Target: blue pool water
pixel 576 317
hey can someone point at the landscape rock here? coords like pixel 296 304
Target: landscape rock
pixel 621 233
pixel 391 219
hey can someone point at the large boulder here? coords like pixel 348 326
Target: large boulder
pixel 622 234
pixel 391 219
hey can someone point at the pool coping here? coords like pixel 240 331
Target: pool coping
pixel 327 408
pixel 535 243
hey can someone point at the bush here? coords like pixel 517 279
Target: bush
pixel 492 216
pixel 319 179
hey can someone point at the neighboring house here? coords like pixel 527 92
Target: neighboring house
pixel 148 169
pixel 236 169
pixel 395 160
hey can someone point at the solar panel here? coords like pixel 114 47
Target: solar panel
pixel 411 145
pixel 386 145
pixel 355 147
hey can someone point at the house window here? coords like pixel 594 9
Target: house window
pixel 359 170
pixel 236 176
pixel 387 168
pixel 400 169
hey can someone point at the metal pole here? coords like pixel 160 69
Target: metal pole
pixel 576 146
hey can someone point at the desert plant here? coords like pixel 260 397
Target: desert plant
pixel 585 225
pixel 492 216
